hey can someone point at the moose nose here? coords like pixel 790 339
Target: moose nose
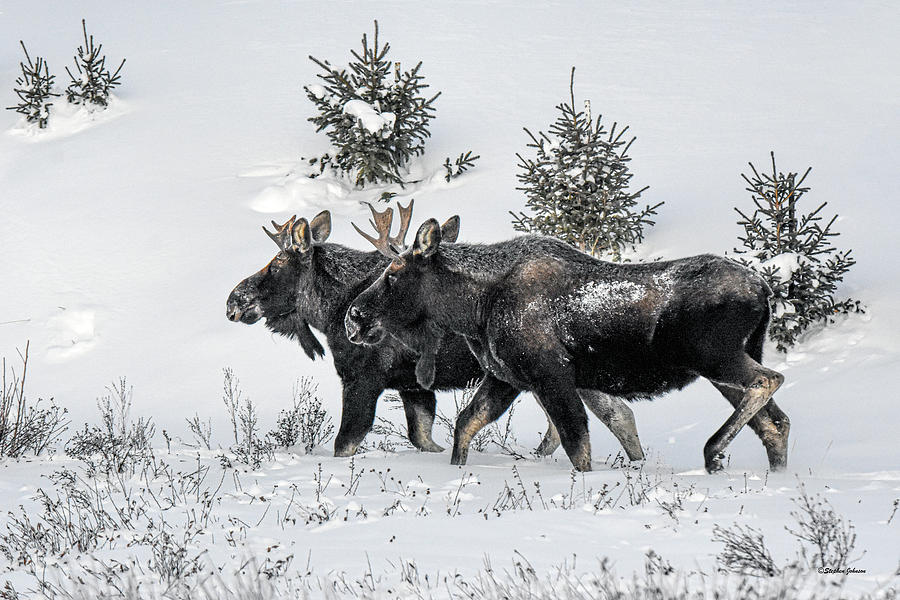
pixel 233 313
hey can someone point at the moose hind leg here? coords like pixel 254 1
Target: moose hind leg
pixel 618 418
pixel 491 400
pixel 419 406
pixel 770 424
pixel 757 384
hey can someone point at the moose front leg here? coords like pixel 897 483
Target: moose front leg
pixel 550 441
pixel 420 406
pixel 491 400
pixel 565 409
pixel 357 414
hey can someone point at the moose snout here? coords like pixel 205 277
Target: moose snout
pixel 240 309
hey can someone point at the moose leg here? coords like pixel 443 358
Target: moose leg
pixel 491 400
pixel 757 384
pixel 357 415
pixel 550 441
pixel 618 418
pixel 571 422
pixel 770 424
pixel 419 406
pixel 612 412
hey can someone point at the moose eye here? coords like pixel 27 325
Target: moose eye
pixel 391 278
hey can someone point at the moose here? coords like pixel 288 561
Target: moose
pixel 544 317
pixel 310 284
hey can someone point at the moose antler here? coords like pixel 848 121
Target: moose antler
pixel 399 241
pixel 388 245
pixel 282 235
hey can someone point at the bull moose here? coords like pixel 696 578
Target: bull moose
pixel 310 284
pixel 544 317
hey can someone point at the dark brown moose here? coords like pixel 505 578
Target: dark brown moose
pixel 310 284
pixel 542 316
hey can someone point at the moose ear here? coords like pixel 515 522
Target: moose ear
pixel 428 238
pixel 450 229
pixel 321 226
pixel 301 237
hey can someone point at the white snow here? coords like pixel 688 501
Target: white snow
pixel 140 219
pixel 785 264
pixel 317 90
pixel 604 296
pixel 373 121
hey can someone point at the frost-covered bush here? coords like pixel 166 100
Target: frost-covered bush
pixel 745 551
pixel 249 448
pixel 793 252
pixel 375 114
pixel 34 90
pixel 118 445
pixel 26 426
pixel 577 185
pixel 827 539
pixel 94 81
pixel 306 422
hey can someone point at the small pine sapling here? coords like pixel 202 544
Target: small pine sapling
pixel 794 254
pixel 374 115
pixel 463 163
pixel 34 85
pixel 577 184
pixel 94 81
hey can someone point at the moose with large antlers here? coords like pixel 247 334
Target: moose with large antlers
pixel 541 316
pixel 310 284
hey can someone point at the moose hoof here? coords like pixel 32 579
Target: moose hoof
pixel 430 446
pixel 344 451
pixel 583 467
pixel 635 454
pixel 714 464
pixel 458 459
pixel 547 446
pixel 778 463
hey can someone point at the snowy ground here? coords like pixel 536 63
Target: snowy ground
pixel 123 233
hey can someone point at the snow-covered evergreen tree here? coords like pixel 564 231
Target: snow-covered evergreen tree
pixel 94 80
pixel 34 90
pixel 577 184
pixel 794 254
pixel 374 114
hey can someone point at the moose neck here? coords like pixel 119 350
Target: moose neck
pixel 466 276
pixel 341 274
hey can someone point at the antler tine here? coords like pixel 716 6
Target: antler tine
pixel 273 236
pixel 399 240
pixel 282 235
pixel 381 221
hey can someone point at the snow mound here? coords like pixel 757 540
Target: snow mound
pixel 302 188
pixel 72 333
pixel 69 119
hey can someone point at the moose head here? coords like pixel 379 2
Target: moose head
pixel 275 292
pixel 395 301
